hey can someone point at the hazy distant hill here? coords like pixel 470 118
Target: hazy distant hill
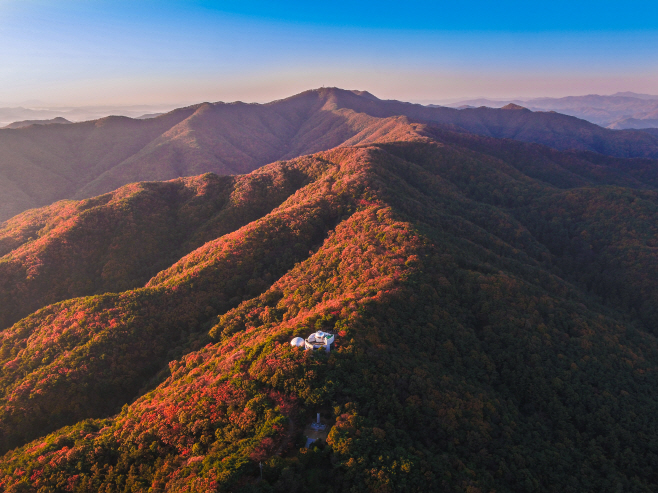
pixel 635 123
pixel 27 123
pixel 39 110
pixel 42 164
pixel 148 115
pixel 631 94
pixel 620 110
pixel 494 304
pixel 11 114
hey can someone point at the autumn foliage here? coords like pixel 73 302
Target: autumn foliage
pixel 494 331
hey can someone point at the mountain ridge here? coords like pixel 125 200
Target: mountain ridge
pixel 80 160
pixel 616 111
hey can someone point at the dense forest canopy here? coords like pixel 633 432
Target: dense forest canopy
pixel 493 301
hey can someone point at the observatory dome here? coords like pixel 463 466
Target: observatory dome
pixel 297 341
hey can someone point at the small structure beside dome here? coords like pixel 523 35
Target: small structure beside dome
pixel 317 340
pixel 297 342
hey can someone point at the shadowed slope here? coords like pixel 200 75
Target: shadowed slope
pixel 40 166
pixel 51 162
pixel 560 169
pixel 238 138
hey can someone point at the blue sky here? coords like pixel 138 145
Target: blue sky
pixel 132 52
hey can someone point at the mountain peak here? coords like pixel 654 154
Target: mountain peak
pixel 512 106
pixel 333 92
pixel 365 94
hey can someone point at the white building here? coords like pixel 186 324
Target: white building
pixel 320 340
pixel 317 340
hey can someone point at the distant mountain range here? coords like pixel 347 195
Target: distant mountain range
pixel 27 123
pixel 44 163
pixel 37 110
pixel 622 110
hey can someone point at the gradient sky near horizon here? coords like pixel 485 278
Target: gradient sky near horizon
pixel 77 52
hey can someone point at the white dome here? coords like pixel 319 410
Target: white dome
pixel 297 341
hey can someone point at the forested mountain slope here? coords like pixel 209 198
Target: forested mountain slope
pixel 493 304
pixel 98 245
pixel 119 240
pixel 45 163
